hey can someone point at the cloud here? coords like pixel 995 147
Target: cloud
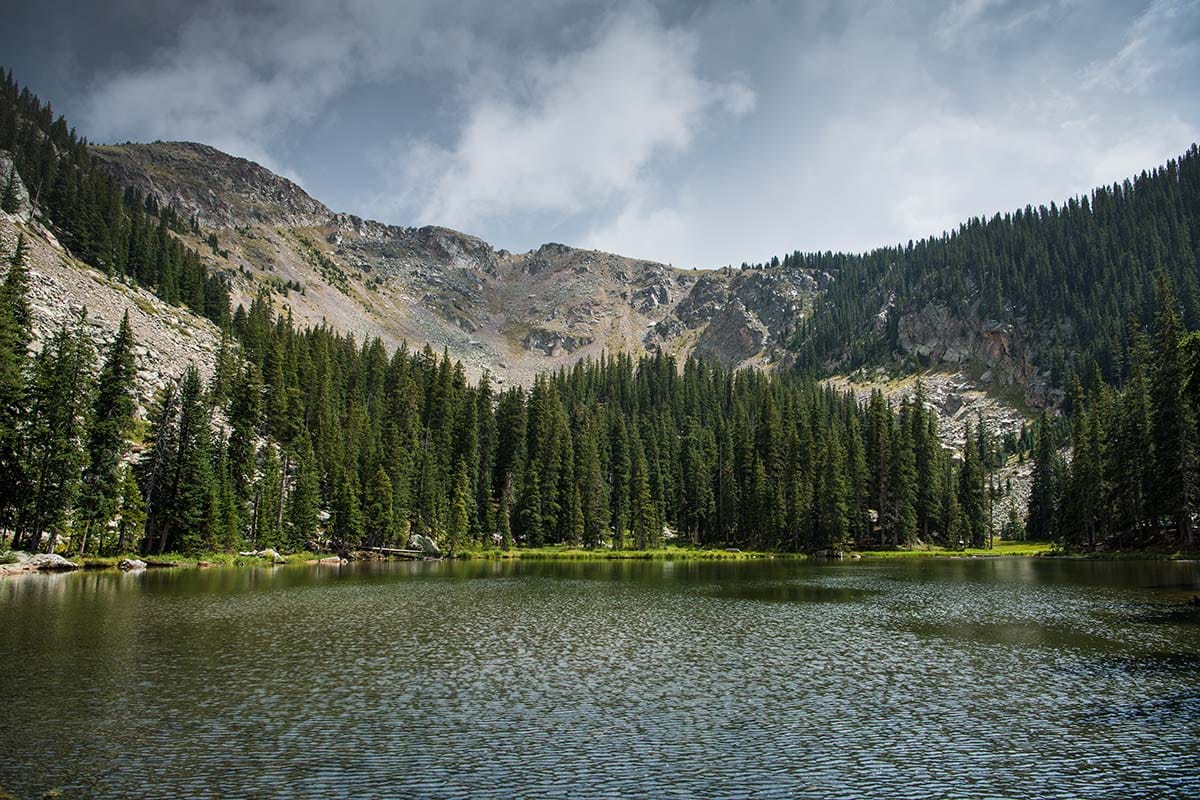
pixel 699 134
pixel 966 25
pixel 240 79
pixel 574 132
pixel 1164 37
pixel 863 138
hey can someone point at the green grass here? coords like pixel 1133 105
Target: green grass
pixel 1034 550
pixel 567 553
pixel 1002 548
pixel 207 559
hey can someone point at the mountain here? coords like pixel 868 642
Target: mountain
pixel 1028 298
pixel 995 318
pixel 510 313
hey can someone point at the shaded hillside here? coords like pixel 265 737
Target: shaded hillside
pixel 1041 292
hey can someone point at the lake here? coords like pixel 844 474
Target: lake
pixel 914 678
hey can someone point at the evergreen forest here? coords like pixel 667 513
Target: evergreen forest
pixel 307 438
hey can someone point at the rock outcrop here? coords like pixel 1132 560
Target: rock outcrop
pixel 49 562
pixel 424 544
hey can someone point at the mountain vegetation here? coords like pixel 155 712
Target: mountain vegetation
pixel 115 229
pixel 1070 276
pixel 308 437
pixel 1132 478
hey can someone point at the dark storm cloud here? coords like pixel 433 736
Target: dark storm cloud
pixel 697 133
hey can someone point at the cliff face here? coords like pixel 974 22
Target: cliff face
pixel 223 191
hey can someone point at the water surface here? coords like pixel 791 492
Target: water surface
pixel 1015 678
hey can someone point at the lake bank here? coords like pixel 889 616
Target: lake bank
pixel 566 553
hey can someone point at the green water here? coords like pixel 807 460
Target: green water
pixel 922 678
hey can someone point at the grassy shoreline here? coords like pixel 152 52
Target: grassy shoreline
pixel 1001 548
pixel 566 553
pixel 1004 549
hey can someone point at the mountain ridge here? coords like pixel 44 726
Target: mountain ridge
pixel 512 314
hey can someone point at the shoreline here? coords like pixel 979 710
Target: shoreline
pixel 1046 550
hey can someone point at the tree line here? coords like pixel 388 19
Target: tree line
pixel 1131 474
pixel 306 438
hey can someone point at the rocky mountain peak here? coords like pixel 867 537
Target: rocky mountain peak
pixel 222 190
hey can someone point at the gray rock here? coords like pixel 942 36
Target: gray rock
pixel 268 552
pixel 50 562
pixel 24 208
pixel 131 565
pixel 424 544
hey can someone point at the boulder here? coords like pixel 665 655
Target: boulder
pixel 268 552
pixel 331 560
pixel 131 565
pixel 50 562
pixel 424 544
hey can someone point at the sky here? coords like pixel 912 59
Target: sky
pixel 692 133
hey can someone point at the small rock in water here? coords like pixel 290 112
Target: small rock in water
pixel 131 565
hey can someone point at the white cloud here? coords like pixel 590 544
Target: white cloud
pixel 574 132
pixel 862 139
pixel 633 132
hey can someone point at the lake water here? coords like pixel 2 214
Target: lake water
pixel 915 678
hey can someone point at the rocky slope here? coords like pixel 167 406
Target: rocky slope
pixel 511 313
pixel 61 288
pixel 960 399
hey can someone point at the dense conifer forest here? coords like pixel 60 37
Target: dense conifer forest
pixel 1072 275
pixel 308 438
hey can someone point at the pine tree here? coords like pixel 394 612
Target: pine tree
pixel 529 512
pixel 377 514
pixel 111 420
pixel 346 520
pixel 305 500
pixel 832 525
pixel 1129 464
pixel 15 335
pixel 459 529
pixel 265 532
pixel 595 501
pixel 971 499
pixel 644 518
pixel 190 510
pixel 132 513
pixel 1043 495
pixel 156 471
pixel 53 446
pixel 1169 486
pixel 503 517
